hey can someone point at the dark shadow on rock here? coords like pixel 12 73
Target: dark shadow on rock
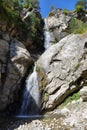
pixel 8 119
pixel 11 122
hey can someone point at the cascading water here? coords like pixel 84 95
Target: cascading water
pixel 47 42
pixel 31 97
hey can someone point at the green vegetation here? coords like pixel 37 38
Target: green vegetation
pixel 81 4
pixel 77 26
pixel 78 8
pixel 7 13
pixel 17 4
pixel 45 97
pixel 71 98
pixel 31 4
pixel 66 12
pixel 80 12
pixel 10 10
pixel 56 40
pixel 32 23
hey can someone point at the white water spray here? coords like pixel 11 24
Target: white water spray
pixel 31 97
pixel 47 42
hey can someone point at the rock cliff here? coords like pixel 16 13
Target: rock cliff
pixel 63 22
pixel 26 27
pixel 21 34
pixel 63 71
pixel 58 23
pixel 14 62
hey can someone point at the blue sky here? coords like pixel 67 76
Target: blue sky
pixel 63 4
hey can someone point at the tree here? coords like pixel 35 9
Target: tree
pixel 12 4
pixel 80 8
pixel 82 4
pixel 31 4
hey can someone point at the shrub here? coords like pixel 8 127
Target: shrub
pixel 65 11
pixel 56 40
pixel 77 26
pixel 78 8
pixel 71 98
pixel 82 3
pixel 80 12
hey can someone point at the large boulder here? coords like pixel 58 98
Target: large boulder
pixel 62 70
pixel 14 62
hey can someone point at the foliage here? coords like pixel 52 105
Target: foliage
pixel 10 11
pixel 77 26
pixel 66 12
pixel 56 40
pixel 31 4
pixel 34 22
pixel 78 8
pixel 80 12
pixel 45 97
pixel 18 5
pixel 12 4
pixel 82 4
pixel 71 98
pixel 7 14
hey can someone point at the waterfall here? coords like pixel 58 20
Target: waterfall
pixel 31 97
pixel 47 43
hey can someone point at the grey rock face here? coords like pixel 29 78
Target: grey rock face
pixel 14 61
pixel 58 23
pixel 65 68
pixel 83 93
pixel 61 22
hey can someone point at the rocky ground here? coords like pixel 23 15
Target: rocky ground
pixel 27 124
pixel 71 117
